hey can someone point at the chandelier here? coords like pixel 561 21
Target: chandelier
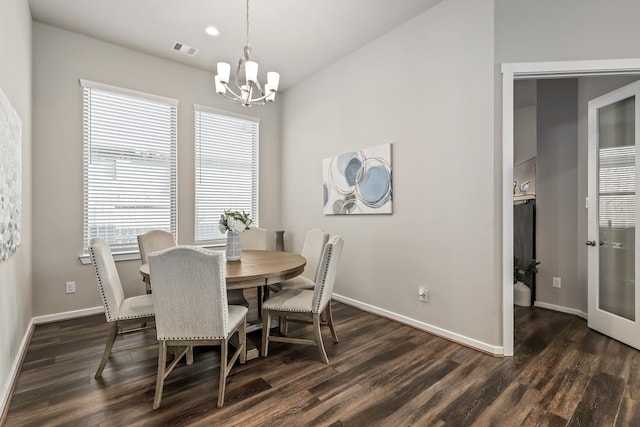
pixel 249 90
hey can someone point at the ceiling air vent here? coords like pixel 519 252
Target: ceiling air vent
pixel 184 49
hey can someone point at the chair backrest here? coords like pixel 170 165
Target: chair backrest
pixel 255 238
pixel 327 273
pixel 189 293
pixel 153 241
pixel 109 283
pixel 312 248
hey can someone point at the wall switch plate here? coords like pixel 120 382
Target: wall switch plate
pixel 70 287
pixel 422 294
pixel 557 282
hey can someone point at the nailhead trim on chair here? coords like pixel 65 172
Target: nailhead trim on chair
pixel 104 297
pixel 324 274
pixel 190 338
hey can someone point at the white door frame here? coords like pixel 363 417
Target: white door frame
pixel 531 70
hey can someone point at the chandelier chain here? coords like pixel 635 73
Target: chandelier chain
pixel 247 23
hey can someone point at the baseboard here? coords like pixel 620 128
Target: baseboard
pixel 451 336
pixel 5 396
pixel 48 318
pixel 562 309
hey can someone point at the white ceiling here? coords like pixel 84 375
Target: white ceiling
pixel 297 38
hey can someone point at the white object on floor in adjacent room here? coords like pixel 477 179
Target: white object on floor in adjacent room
pixel 521 295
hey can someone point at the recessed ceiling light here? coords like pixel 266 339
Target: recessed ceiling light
pixel 211 30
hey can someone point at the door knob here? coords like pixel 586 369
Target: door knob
pixel 590 243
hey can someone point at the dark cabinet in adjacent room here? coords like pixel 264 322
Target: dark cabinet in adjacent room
pixel 524 239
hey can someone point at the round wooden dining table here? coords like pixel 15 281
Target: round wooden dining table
pixel 255 268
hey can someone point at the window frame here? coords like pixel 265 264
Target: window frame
pixel 255 197
pixel 131 251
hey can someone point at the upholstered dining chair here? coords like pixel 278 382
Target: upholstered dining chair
pixel 190 298
pixel 306 303
pixel 253 238
pixel 118 310
pixel 153 241
pixel 314 242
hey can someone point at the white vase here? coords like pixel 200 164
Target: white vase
pixel 234 247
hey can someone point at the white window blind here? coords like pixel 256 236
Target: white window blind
pixel 226 168
pixel 130 142
pixel 617 186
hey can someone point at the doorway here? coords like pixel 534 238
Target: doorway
pixel 511 72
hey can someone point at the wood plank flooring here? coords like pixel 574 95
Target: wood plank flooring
pixel 382 373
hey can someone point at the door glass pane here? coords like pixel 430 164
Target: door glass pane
pixel 617 208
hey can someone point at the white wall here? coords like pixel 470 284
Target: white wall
pixel 15 273
pixel 427 88
pixel 61 58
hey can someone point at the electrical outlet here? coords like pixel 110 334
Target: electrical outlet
pixel 70 287
pixel 557 282
pixel 422 294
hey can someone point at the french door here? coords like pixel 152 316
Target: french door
pixel 613 296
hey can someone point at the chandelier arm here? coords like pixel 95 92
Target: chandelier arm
pixel 236 96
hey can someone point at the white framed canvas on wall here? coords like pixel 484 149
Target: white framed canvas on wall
pixel 358 182
pixel 10 178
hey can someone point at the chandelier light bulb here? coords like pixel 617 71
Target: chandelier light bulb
pixel 273 80
pixel 220 89
pixel 251 71
pixel 224 70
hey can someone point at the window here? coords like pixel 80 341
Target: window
pixel 130 141
pixel 226 168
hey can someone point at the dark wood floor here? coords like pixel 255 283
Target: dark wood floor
pixel 381 373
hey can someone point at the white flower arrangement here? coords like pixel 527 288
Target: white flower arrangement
pixel 234 221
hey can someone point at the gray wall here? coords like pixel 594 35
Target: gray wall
pixel 562 221
pixel 441 233
pixel 61 58
pixel 15 273
pixel 548 30
pixel 524 134
pixel 557 196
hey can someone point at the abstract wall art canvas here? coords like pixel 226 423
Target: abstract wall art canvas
pixel 10 178
pixel 358 182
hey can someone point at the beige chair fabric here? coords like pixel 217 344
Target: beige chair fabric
pixel 190 298
pixel 118 310
pixel 253 238
pixel 309 303
pixel 153 241
pixel 312 248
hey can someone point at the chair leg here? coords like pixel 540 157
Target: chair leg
pixel 284 329
pixel 111 337
pixel 329 315
pixel 224 348
pixel 190 355
pixel 266 325
pixel 242 337
pixel 318 336
pixel 162 364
